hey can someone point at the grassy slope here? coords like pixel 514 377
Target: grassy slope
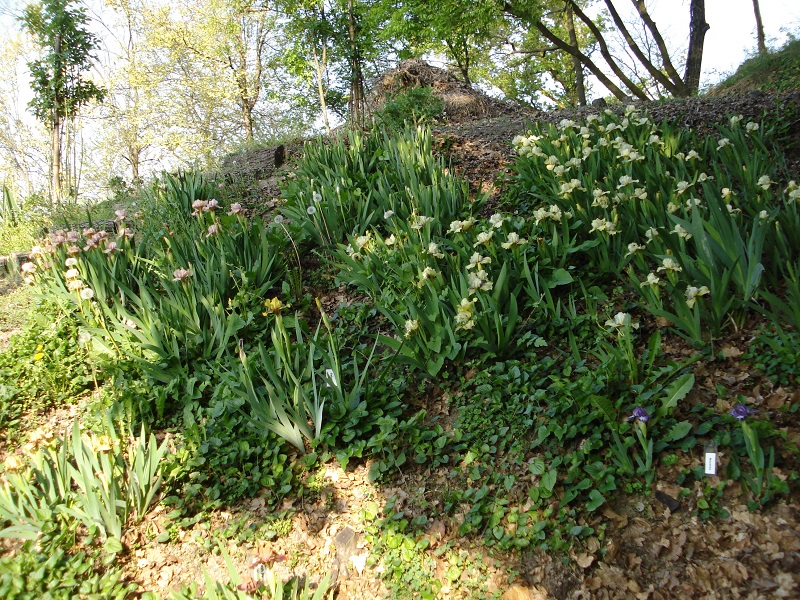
pixel 777 71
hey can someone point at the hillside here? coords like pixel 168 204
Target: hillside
pixel 776 72
pixel 418 387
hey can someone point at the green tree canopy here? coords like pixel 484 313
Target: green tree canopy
pixel 57 78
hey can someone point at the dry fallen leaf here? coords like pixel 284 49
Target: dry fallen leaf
pixel 584 561
pixel 731 352
pixel 519 592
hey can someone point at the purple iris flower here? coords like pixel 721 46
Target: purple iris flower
pixel 639 414
pixel 741 411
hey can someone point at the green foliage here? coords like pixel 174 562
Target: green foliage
pixel 528 75
pixel 47 572
pixel 9 209
pixel 408 570
pixel 117 486
pixel 760 480
pixel 398 442
pixel 708 506
pixel 339 38
pixel 220 457
pixel 167 302
pixel 16 304
pixel 42 366
pixel 554 386
pixel 345 189
pixel 18 237
pixel 785 312
pixel 777 356
pixel 21 221
pixel 265 582
pixel 57 79
pixel 292 402
pixel 461 32
pixel 415 106
pixel 305 377
pixel 704 216
pixel 165 204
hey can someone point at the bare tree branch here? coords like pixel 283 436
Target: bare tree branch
pixel 655 72
pixel 562 45
pixel 662 47
pixel 634 89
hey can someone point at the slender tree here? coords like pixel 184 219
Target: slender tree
pixel 464 31
pixel 580 86
pixel 307 57
pixel 528 67
pixel 57 78
pixel 335 42
pixel 762 42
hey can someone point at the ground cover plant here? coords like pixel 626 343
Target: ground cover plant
pixel 503 378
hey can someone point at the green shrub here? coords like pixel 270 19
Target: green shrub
pixel 415 106
pixel 344 189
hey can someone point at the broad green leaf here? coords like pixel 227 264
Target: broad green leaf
pixel 676 392
pixel 678 431
pixel 596 500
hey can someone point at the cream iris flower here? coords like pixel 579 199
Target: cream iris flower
pixel 411 326
pixel 693 292
pixel 513 240
pixel 669 264
pixel 484 237
pixel 477 261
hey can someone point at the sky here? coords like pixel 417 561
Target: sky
pixel 731 38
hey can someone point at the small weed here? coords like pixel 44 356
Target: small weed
pixel 708 502
pixel 409 572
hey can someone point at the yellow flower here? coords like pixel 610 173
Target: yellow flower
pixel 103 443
pixel 513 240
pixel 14 463
pixel 464 314
pixel 274 306
pixel 484 238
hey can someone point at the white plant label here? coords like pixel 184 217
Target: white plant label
pixel 711 463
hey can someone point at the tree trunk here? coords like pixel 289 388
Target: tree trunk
pixel 356 79
pixel 55 160
pixel 671 81
pixel 762 42
pixel 687 85
pixel 606 54
pixel 247 115
pixel 319 67
pixel 55 136
pixel 461 57
pixel 580 87
pixel 562 45
pixel 134 158
pixel 694 59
